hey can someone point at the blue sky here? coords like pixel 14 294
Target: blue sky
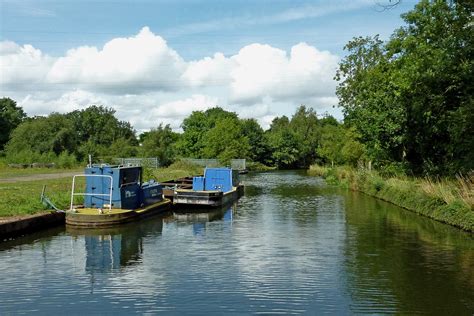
pixel 258 43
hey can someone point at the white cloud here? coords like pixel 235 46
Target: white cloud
pixel 21 65
pixel 124 65
pixel 43 104
pixel 209 71
pixel 264 71
pixel 149 83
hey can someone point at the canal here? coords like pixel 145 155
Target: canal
pixel 290 245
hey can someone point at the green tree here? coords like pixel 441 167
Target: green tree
pixel 226 141
pixel 11 116
pixel 160 143
pixel 305 124
pixel 98 126
pixel 283 143
pixel 411 98
pixel 259 150
pixel 52 134
pixel 191 143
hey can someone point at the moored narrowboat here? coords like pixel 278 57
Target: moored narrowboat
pixel 114 195
pixel 218 187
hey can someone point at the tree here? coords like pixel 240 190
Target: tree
pixel 259 150
pixel 283 143
pixel 339 145
pixel 52 134
pixel 191 143
pixel 160 143
pixel 99 126
pixel 305 124
pixel 226 141
pixel 11 116
pixel 411 98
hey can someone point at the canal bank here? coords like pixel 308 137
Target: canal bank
pixel 449 203
pixel 21 225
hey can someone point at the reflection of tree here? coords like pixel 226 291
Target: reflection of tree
pixel 409 263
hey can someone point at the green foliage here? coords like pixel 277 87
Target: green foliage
pixel 191 143
pixel 160 142
pixel 259 150
pixel 339 145
pixel 97 128
pixel 10 117
pixel 411 98
pixel 52 134
pixel 66 160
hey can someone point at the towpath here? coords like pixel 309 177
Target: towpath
pixel 39 176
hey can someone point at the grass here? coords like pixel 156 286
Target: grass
pixel 447 200
pixel 23 198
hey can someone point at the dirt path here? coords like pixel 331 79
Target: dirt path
pixel 33 177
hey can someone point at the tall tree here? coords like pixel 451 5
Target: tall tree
pixel 411 98
pixel 11 116
pixel 51 134
pixel 191 144
pixel 160 143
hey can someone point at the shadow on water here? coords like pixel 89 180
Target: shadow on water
pixel 399 261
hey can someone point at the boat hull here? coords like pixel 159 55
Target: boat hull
pixel 93 218
pixel 207 198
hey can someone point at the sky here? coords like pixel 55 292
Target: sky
pixel 157 61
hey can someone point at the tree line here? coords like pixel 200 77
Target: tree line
pixel 294 142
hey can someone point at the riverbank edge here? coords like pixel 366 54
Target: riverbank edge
pixel 404 193
pixel 29 224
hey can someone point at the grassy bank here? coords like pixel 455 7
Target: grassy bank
pixel 23 198
pixel 446 200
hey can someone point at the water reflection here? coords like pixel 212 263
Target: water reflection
pixel 291 245
pixel 107 249
pixel 200 218
pixel 396 260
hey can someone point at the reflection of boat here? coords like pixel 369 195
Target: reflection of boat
pixel 218 186
pixel 199 219
pixel 193 215
pixel 114 247
pixel 115 195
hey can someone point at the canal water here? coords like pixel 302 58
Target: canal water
pixel 290 245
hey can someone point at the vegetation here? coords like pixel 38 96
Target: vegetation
pixel 10 117
pixel 410 98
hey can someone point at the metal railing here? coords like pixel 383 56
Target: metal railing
pixel 91 194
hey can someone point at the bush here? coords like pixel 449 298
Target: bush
pixel 66 160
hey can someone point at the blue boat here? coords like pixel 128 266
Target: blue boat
pixel 218 187
pixel 115 195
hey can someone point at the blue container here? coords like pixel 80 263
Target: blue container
pixel 198 183
pixel 125 186
pixel 151 192
pixel 220 179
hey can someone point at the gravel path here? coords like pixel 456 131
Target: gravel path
pixel 33 177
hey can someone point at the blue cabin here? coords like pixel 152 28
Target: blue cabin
pixel 128 192
pixel 216 179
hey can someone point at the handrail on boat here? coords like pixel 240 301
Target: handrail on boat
pixel 93 194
